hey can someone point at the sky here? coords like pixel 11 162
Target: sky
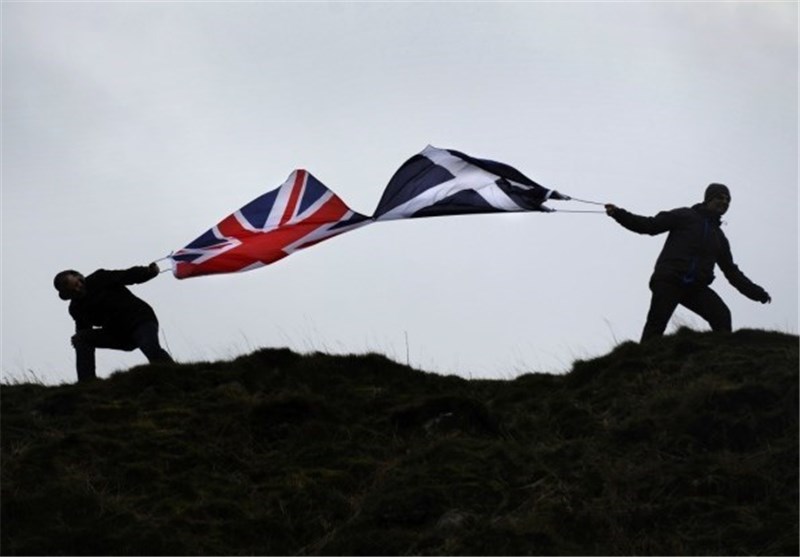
pixel 128 129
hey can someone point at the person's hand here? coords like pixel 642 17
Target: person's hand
pixel 611 209
pixel 766 298
pixel 154 268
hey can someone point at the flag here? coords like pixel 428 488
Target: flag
pixel 303 212
pixel 439 182
pixel 298 214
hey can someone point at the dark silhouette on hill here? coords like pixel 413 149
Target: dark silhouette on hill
pixel 687 445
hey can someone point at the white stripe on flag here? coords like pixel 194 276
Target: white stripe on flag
pixel 465 177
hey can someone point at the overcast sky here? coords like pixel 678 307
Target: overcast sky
pixel 130 128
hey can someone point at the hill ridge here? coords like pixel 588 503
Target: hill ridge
pixel 684 445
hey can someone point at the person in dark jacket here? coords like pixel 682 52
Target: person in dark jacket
pixel 108 315
pixel 685 268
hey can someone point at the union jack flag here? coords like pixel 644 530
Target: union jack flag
pixel 299 213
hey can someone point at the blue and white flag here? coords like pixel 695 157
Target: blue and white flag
pixel 440 182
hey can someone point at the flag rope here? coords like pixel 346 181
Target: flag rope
pixel 569 198
pixel 584 201
pixel 161 271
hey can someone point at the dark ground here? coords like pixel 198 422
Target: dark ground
pixel 684 446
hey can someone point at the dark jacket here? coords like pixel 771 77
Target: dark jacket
pixel 109 304
pixel 694 245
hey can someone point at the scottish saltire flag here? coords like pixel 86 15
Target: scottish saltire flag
pixel 300 213
pixel 440 182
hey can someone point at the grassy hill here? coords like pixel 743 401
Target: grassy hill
pixel 684 446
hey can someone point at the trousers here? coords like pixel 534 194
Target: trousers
pixel 697 298
pixel 144 337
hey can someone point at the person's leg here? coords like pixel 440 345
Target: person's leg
pixel 662 306
pixel 85 343
pixel 146 338
pixel 708 305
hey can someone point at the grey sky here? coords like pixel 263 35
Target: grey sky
pixel 130 128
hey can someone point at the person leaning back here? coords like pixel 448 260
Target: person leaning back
pixel 108 315
pixel 685 268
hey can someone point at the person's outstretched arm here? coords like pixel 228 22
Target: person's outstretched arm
pixel 662 222
pixel 737 278
pixel 134 275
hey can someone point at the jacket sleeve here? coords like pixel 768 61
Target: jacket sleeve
pixel 134 275
pixel 662 222
pixel 736 277
pixel 80 323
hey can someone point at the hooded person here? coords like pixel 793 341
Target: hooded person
pixel 108 315
pixel 685 268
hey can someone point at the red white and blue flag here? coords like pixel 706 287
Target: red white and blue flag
pixel 298 214
pixel 303 212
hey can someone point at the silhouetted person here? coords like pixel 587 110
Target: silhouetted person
pixel 108 315
pixel 685 268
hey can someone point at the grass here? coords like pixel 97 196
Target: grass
pixel 687 445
